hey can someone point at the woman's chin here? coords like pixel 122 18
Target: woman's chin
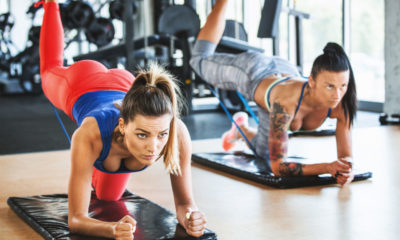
pixel 148 160
pixel 333 104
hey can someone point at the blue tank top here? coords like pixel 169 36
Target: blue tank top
pixel 100 105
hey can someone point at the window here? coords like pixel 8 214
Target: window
pixel 323 26
pixel 367 48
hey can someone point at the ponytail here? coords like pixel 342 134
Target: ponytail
pixel 334 59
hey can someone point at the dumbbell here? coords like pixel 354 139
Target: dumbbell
pixel 100 31
pixel 77 14
pixel 116 9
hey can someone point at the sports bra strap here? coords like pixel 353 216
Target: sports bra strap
pixel 329 112
pixel 267 93
pixel 301 98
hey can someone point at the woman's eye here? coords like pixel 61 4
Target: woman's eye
pixel 163 135
pixel 141 135
pixel 344 85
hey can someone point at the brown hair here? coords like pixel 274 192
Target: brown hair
pixel 155 93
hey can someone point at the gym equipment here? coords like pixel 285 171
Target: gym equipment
pixel 48 215
pixel 101 31
pixel 116 51
pixel 235 30
pixel 34 35
pixel 30 79
pixel 179 21
pixel 65 19
pixel 6 22
pixel 385 119
pixel 231 45
pixel 80 13
pixel 269 27
pixel 22 70
pixel 249 167
pixel 269 22
pixel 116 9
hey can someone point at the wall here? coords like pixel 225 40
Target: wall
pixel 392 57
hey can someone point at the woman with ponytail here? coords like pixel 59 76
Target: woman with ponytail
pixel 124 125
pixel 285 101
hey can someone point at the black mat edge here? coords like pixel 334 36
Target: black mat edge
pixel 320 133
pixel 16 207
pixel 277 182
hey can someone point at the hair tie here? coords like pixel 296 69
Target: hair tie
pixel 149 85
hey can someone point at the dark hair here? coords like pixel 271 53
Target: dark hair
pixel 335 59
pixel 155 93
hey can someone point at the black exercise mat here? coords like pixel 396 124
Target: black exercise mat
pixel 328 128
pixel 318 132
pixel 249 167
pixel 47 214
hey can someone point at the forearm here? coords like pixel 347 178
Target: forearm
pixel 289 169
pixel 215 25
pixel 182 184
pixel 182 197
pixel 182 190
pixel 343 138
pixel 91 227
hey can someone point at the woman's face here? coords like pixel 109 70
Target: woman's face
pixel 146 136
pixel 330 87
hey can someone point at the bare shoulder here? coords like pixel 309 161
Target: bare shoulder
pixel 287 94
pixel 342 119
pixel 88 133
pixel 338 112
pixel 180 124
pixel 182 130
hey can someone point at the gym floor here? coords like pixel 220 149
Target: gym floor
pixel 34 161
pixel 240 209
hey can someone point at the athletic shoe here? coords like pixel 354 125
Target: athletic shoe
pixel 230 138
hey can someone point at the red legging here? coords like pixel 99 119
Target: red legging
pixel 64 85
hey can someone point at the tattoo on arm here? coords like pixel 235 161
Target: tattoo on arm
pixel 278 142
pixel 278 137
pixel 290 169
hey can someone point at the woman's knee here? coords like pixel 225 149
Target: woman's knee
pixel 195 62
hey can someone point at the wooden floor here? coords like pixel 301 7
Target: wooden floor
pixel 239 209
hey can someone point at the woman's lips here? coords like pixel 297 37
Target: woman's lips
pixel 149 157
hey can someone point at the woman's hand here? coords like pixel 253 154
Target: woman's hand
pixel 350 176
pixel 125 228
pixel 341 170
pixel 195 223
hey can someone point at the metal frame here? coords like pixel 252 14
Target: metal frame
pixel 346 33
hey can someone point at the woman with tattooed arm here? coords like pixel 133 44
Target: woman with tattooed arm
pixel 284 100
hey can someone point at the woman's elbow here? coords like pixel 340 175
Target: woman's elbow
pixel 73 223
pixel 275 169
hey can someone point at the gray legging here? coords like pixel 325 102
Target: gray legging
pixel 242 72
